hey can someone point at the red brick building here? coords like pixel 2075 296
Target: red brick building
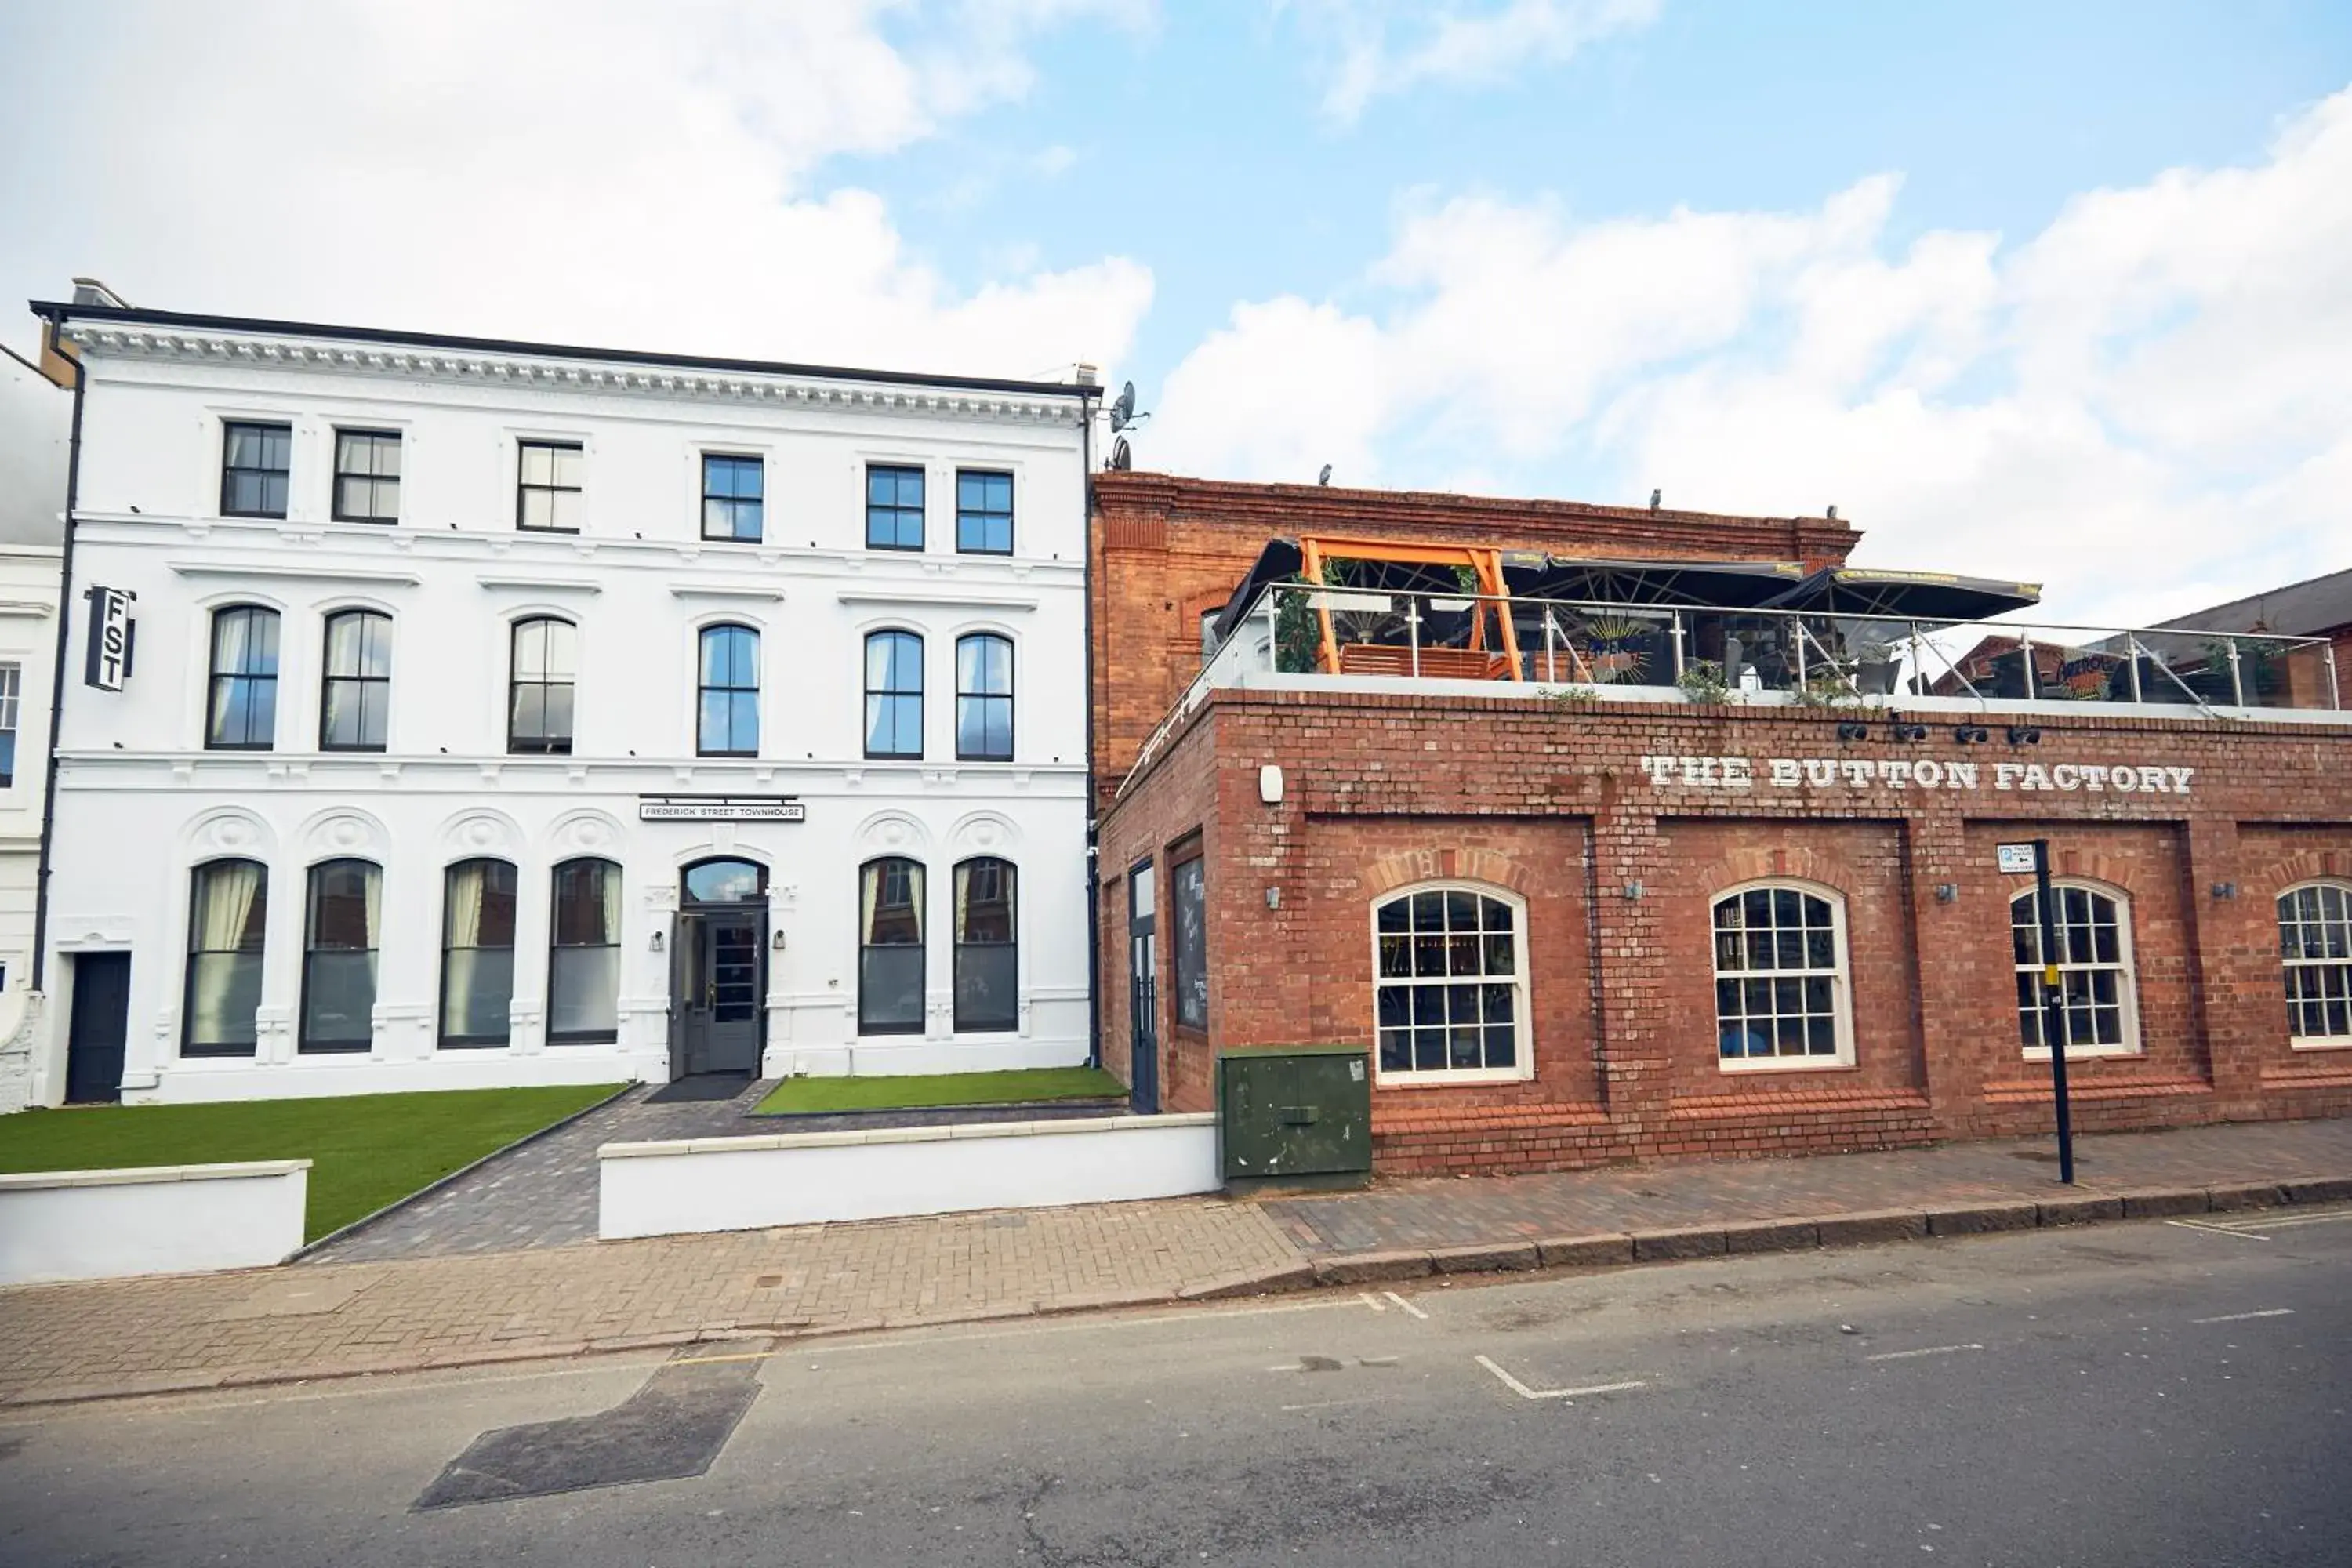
pixel 1637 924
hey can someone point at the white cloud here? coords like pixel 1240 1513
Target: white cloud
pixel 1367 58
pixel 2149 405
pixel 590 170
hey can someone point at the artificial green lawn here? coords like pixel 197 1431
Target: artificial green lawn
pixel 365 1151
pixel 816 1096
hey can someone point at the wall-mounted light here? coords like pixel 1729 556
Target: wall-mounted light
pixel 1971 734
pixel 777 941
pixel 2225 890
pixel 2024 735
pixel 1947 892
pixel 1269 785
pixel 1633 891
pixel 1274 898
pixel 656 943
pixel 1910 731
pixel 1850 730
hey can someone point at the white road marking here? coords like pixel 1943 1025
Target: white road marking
pixel 2288 1222
pixel 1371 1300
pixel 2243 1317
pixel 1524 1392
pixel 1324 1404
pixel 2216 1229
pixel 1406 1305
pixel 1931 1350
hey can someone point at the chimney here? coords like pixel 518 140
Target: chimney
pixel 90 291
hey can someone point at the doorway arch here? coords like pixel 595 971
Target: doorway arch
pixel 719 980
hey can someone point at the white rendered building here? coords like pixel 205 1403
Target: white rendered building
pixel 35 420
pixel 502 713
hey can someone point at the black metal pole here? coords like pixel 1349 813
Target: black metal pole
pixel 2054 1011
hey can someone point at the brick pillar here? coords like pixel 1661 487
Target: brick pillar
pixel 1947 974
pixel 2232 954
pixel 1631 965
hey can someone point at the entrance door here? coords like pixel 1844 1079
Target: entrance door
pixel 100 1022
pixel 725 980
pixel 1142 992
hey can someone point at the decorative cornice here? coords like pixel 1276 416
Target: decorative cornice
pixel 555 374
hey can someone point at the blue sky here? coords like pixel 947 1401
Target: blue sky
pixel 2053 292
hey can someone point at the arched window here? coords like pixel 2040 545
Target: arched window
pixel 477 939
pixel 2094 969
pixel 1780 990
pixel 725 883
pixel 228 914
pixel 543 665
pixel 2315 944
pixel 355 697
pixel 987 947
pixel 1450 987
pixel 241 704
pixel 729 710
pixel 338 952
pixel 890 947
pixel 584 962
pixel 985 698
pixel 894 695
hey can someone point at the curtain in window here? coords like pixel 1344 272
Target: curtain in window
pixel 339 980
pixel 478 953
pixel 584 965
pixel 890 948
pixel 226 923
pixel 244 698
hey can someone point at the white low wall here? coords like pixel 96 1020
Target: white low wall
pixel 805 1178
pixel 165 1219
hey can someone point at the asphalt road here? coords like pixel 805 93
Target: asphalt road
pixel 2144 1395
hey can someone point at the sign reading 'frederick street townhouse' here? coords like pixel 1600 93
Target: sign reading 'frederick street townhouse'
pixel 720 808
pixel 1885 773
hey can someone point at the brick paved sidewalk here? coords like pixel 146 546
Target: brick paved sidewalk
pixel 63 1341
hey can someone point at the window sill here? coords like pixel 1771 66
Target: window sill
pixel 217 1053
pixel 526 528
pixel 473 1045
pixel 895 549
pixel 1741 1065
pixel 606 1038
pixel 370 522
pixel 254 516
pixel 869 1032
pixel 1466 1079
pixel 353 1048
pixel 2085 1053
pixel 2313 1042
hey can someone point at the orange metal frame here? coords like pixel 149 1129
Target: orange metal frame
pixel 1314 550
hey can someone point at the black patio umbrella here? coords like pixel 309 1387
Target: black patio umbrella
pixel 1716 584
pixel 1904 595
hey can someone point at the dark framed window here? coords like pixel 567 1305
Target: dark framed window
pixel 254 460
pixel 584 964
pixel 241 702
pixel 228 915
pixel 894 507
pixel 547 486
pixel 732 500
pixel 894 694
pixel 477 947
pixel 543 668
pixel 987 947
pixel 355 695
pixel 1188 899
pixel 890 947
pixel 983 514
pixel 727 723
pixel 339 957
pixel 985 698
pixel 367 476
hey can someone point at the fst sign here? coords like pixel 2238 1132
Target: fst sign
pixel 106 664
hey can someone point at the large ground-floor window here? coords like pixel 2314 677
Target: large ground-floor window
pixel 1450 994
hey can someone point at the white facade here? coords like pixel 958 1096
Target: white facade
pixel 36 425
pixel 143 799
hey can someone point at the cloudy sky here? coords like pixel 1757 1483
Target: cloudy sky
pixel 2061 292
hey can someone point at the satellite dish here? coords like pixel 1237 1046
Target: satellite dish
pixel 1122 408
pixel 1121 459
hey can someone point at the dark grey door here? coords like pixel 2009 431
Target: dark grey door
pixel 100 1022
pixel 1142 992
pixel 725 980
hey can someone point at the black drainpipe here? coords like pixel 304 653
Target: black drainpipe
pixel 1093 849
pixel 65 642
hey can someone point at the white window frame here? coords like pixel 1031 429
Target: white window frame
pixel 1840 976
pixel 2287 965
pixel 2127 963
pixel 1523 1037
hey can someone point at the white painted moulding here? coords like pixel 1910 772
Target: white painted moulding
pixel 159 1220
pixel 808 1178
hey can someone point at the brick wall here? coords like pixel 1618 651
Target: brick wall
pixel 1383 791
pixel 1166 548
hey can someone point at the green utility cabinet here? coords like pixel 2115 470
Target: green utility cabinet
pixel 1295 1116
